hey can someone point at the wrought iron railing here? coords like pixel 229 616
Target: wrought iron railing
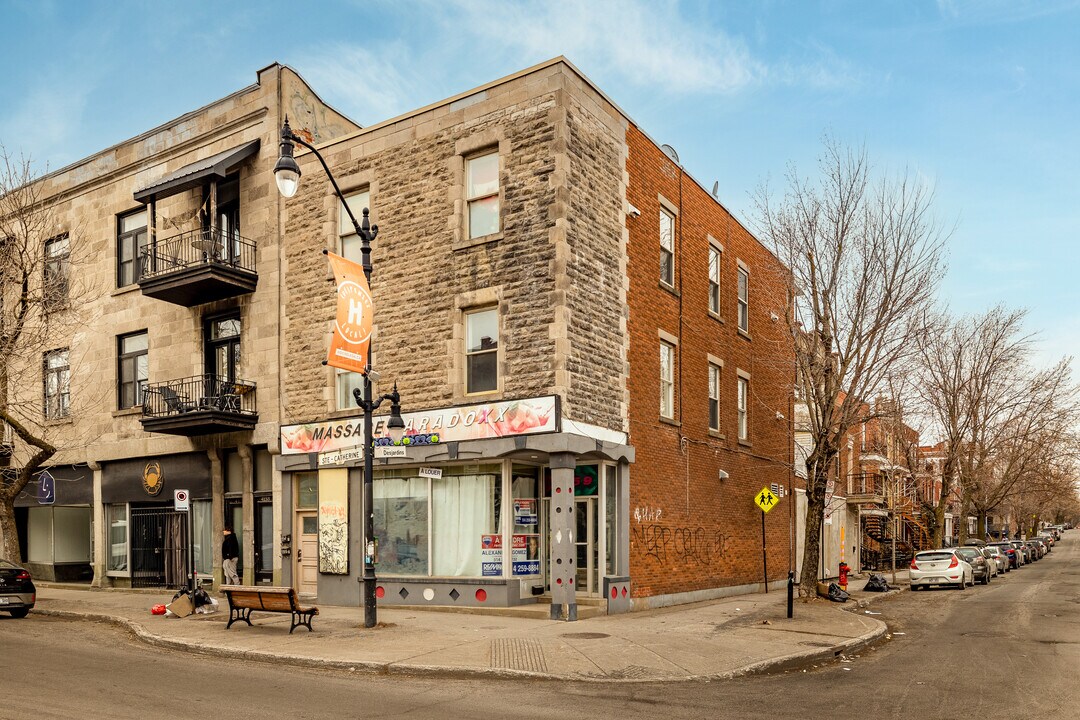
pixel 865 484
pixel 191 249
pixel 200 393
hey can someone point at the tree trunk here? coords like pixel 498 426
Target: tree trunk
pixel 982 522
pixel 965 508
pixel 817 466
pixel 9 536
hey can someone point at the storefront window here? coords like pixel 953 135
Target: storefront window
pixel 464 511
pixel 202 519
pixel 116 518
pixel 401 524
pixel 525 553
pixel 611 496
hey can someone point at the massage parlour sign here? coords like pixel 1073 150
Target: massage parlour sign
pixel 471 422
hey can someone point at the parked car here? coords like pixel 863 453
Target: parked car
pixel 980 566
pixel 1023 550
pixel 995 567
pixel 1036 549
pixel 1049 539
pixel 1040 547
pixel 1000 558
pixel 17 591
pixel 940 567
pixel 1011 554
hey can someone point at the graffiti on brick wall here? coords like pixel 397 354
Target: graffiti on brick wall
pixel 680 544
pixel 647 514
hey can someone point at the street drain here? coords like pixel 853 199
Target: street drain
pixel 585 635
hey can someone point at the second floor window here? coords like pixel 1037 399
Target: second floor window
pixel 667 247
pixel 132 369
pixel 482 194
pixel 130 247
pixel 714 280
pixel 714 397
pixel 57 384
pixel 482 351
pixel 348 241
pixel 57 269
pixel 744 300
pixel 667 380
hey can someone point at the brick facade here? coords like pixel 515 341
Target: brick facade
pixel 691 531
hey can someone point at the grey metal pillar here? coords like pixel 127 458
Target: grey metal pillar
pixel 561 526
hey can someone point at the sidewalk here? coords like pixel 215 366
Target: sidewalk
pixel 710 640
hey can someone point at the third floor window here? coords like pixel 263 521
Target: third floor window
pixel 130 247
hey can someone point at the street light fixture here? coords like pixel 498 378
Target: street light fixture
pixel 287 177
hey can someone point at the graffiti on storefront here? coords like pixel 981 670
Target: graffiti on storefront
pixel 680 544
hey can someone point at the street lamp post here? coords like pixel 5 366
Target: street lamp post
pixel 287 177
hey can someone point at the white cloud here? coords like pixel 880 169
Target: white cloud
pixel 647 43
pixel 363 82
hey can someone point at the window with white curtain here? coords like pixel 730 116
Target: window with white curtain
pixel 450 515
pixel 202 520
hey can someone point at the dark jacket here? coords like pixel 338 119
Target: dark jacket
pixel 230 547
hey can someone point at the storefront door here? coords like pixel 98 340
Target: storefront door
pixel 585 538
pixel 307 553
pixel 264 539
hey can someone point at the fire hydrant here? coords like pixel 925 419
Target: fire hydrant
pixel 843 575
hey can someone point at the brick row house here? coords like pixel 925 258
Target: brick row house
pixel 586 343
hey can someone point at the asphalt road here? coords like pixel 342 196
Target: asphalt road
pixel 1009 650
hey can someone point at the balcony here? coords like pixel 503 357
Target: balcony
pixel 200 405
pixel 198 267
pixel 866 488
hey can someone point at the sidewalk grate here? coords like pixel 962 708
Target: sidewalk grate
pixel 518 654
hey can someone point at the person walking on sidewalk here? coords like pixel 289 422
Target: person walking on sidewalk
pixel 230 551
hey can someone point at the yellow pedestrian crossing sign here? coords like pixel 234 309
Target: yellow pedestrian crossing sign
pixel 766 500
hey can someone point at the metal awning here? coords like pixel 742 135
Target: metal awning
pixel 215 167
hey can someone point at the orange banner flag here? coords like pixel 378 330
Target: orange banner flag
pixel 352 326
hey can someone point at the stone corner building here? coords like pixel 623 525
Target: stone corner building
pixel 592 372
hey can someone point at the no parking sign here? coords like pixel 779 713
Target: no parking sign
pixel 180 500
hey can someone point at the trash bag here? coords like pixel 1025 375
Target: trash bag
pixel 836 594
pixel 876 583
pixel 201 598
pixel 157 610
pixel 181 591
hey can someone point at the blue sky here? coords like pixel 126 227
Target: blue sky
pixel 980 98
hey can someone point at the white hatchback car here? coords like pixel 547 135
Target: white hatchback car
pixel 940 567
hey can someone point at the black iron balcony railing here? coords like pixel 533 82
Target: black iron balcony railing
pixel 197 248
pixel 199 394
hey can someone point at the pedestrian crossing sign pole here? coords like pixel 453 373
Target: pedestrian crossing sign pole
pixel 765 500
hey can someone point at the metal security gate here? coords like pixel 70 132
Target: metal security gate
pixel 159 548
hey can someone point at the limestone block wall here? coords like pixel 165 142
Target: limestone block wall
pixel 539 270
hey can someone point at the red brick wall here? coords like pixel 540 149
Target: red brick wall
pixel 689 530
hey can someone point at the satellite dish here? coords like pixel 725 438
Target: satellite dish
pixel 716 189
pixel 670 152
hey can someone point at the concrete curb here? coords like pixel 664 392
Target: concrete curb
pixel 781 663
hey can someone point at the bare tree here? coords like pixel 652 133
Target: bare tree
pixel 41 309
pixel 864 259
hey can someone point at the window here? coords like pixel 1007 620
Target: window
pixel 130 247
pixel 744 392
pixel 458 509
pixel 222 344
pixel 714 397
pixel 714 279
pixel 482 351
pixel 116 517
pixel 482 194
pixel 57 269
pixel 349 241
pixel 349 244
pixel 132 369
pixel 667 247
pixel 57 385
pixel 744 300
pixel 667 380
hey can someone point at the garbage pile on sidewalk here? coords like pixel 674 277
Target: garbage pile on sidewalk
pixel 181 605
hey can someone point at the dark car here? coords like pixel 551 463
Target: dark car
pixel 980 566
pixel 1024 551
pixel 17 591
pixel 1010 553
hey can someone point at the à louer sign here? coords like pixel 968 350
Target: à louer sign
pixel 429 427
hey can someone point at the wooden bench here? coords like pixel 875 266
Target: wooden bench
pixel 244 599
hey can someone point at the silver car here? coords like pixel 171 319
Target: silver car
pixel 941 567
pixel 982 568
pixel 999 557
